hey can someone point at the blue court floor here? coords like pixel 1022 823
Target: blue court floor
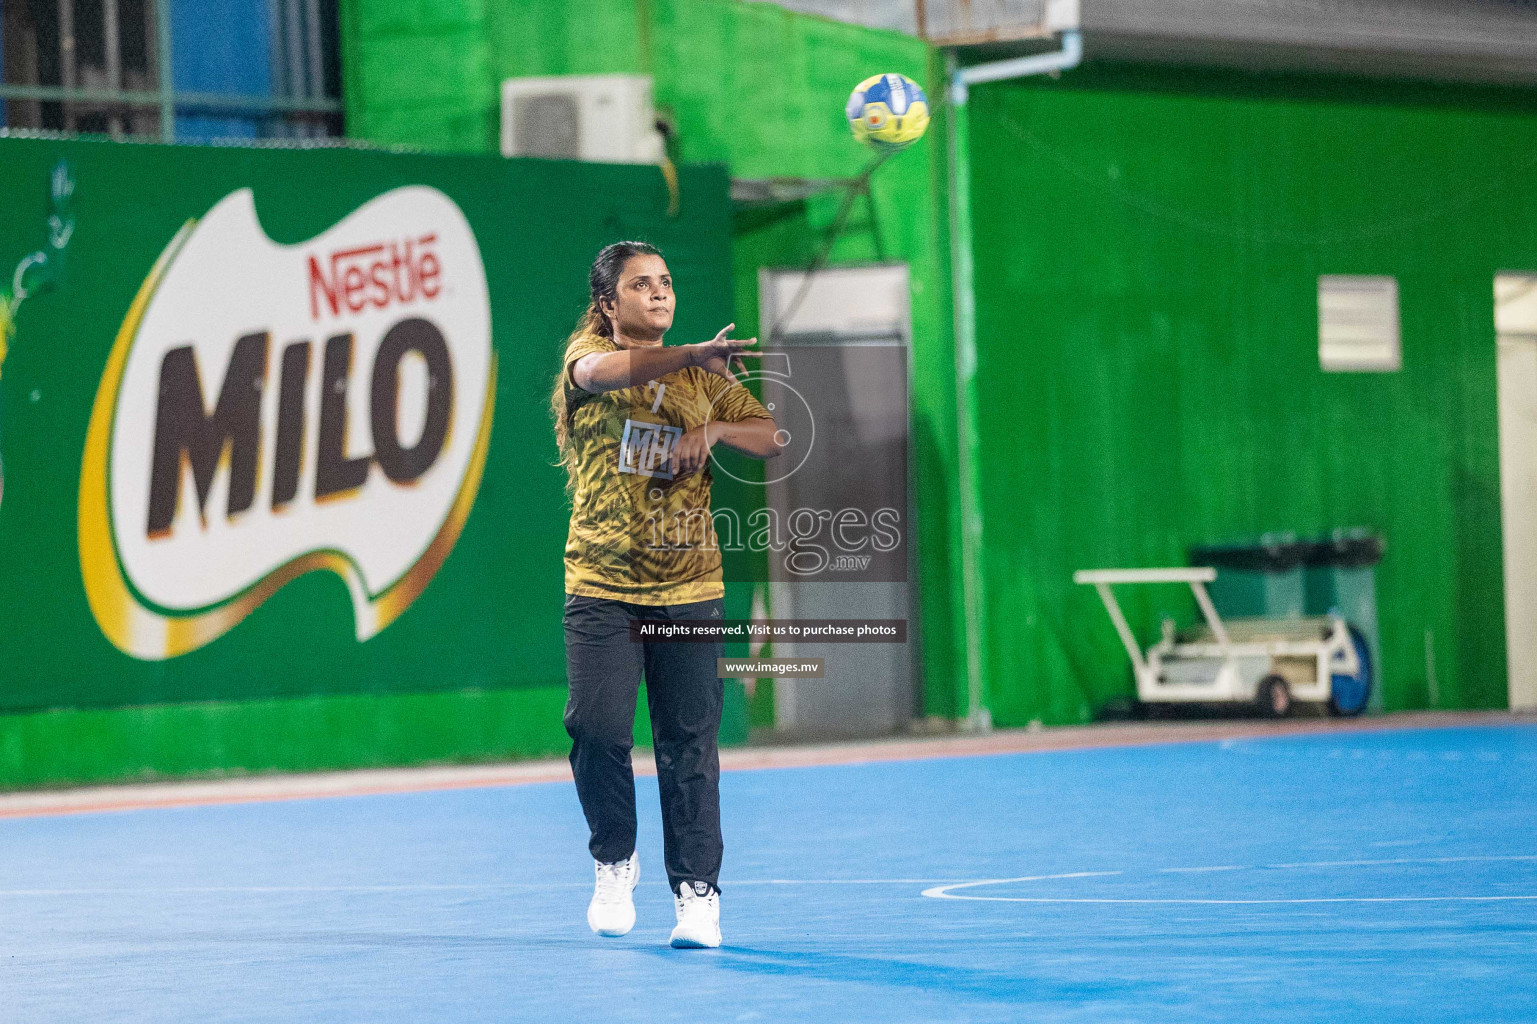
pixel 1343 877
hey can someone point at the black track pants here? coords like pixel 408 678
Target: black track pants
pixel 604 669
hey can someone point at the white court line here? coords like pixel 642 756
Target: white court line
pixel 1350 863
pixel 1399 860
pixel 944 892
pixel 194 890
pixel 431 887
pixel 840 881
pixel 941 894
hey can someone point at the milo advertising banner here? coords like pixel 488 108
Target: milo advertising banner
pixel 276 423
pixel 191 519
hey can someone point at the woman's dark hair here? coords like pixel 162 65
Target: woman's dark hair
pixel 602 283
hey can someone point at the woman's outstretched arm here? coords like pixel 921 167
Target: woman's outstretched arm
pixel 609 371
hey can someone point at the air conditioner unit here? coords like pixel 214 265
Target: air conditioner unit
pixel 604 118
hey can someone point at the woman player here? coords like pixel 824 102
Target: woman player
pixel 635 422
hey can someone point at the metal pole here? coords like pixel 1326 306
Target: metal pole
pixel 963 300
pixel 1209 612
pixel 112 46
pixel 67 57
pixel 163 71
pixel 312 37
pixel 1128 639
pixel 295 48
pixel 218 101
pixel 317 70
pixel 1036 64
pixel 277 64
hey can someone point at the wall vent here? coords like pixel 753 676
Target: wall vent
pixel 1358 323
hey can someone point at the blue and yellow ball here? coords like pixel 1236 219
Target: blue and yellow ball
pixel 888 112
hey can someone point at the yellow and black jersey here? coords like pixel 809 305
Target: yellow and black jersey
pixel 637 534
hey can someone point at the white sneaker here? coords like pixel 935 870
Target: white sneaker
pixel 698 917
pixel 612 910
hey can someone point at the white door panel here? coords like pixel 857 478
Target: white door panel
pixel 1516 322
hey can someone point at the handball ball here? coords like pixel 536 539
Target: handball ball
pixel 888 112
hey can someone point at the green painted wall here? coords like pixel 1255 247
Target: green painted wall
pixel 750 85
pixel 418 74
pixel 314 733
pixel 1148 246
